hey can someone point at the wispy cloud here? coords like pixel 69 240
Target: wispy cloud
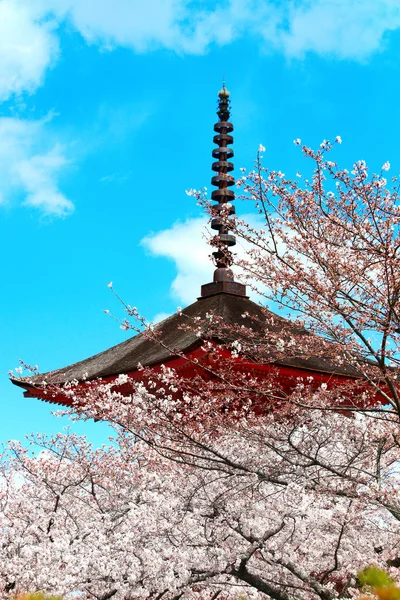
pixel 178 25
pixel 28 47
pixel 116 177
pixel 343 28
pixel 31 165
pixel 185 243
pixel 351 29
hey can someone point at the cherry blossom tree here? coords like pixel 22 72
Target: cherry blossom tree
pixel 228 484
pixel 272 511
pixel 329 253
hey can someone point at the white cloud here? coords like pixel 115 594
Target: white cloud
pixel 178 25
pixel 29 45
pixel 345 28
pixel 351 29
pixel 186 245
pixel 30 166
pixel 27 48
pixel 116 178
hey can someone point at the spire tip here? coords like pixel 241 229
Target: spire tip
pixel 223 92
pixel 223 281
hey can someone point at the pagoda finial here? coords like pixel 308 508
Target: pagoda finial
pixel 223 196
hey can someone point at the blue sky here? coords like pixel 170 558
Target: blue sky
pixel 107 112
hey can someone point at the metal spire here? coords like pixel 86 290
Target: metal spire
pixel 223 196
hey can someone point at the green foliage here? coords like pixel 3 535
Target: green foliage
pixel 378 582
pixel 374 577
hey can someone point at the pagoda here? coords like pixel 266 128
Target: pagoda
pixel 175 342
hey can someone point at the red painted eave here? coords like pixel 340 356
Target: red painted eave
pixel 187 366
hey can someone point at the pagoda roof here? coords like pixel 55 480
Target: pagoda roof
pixel 183 332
